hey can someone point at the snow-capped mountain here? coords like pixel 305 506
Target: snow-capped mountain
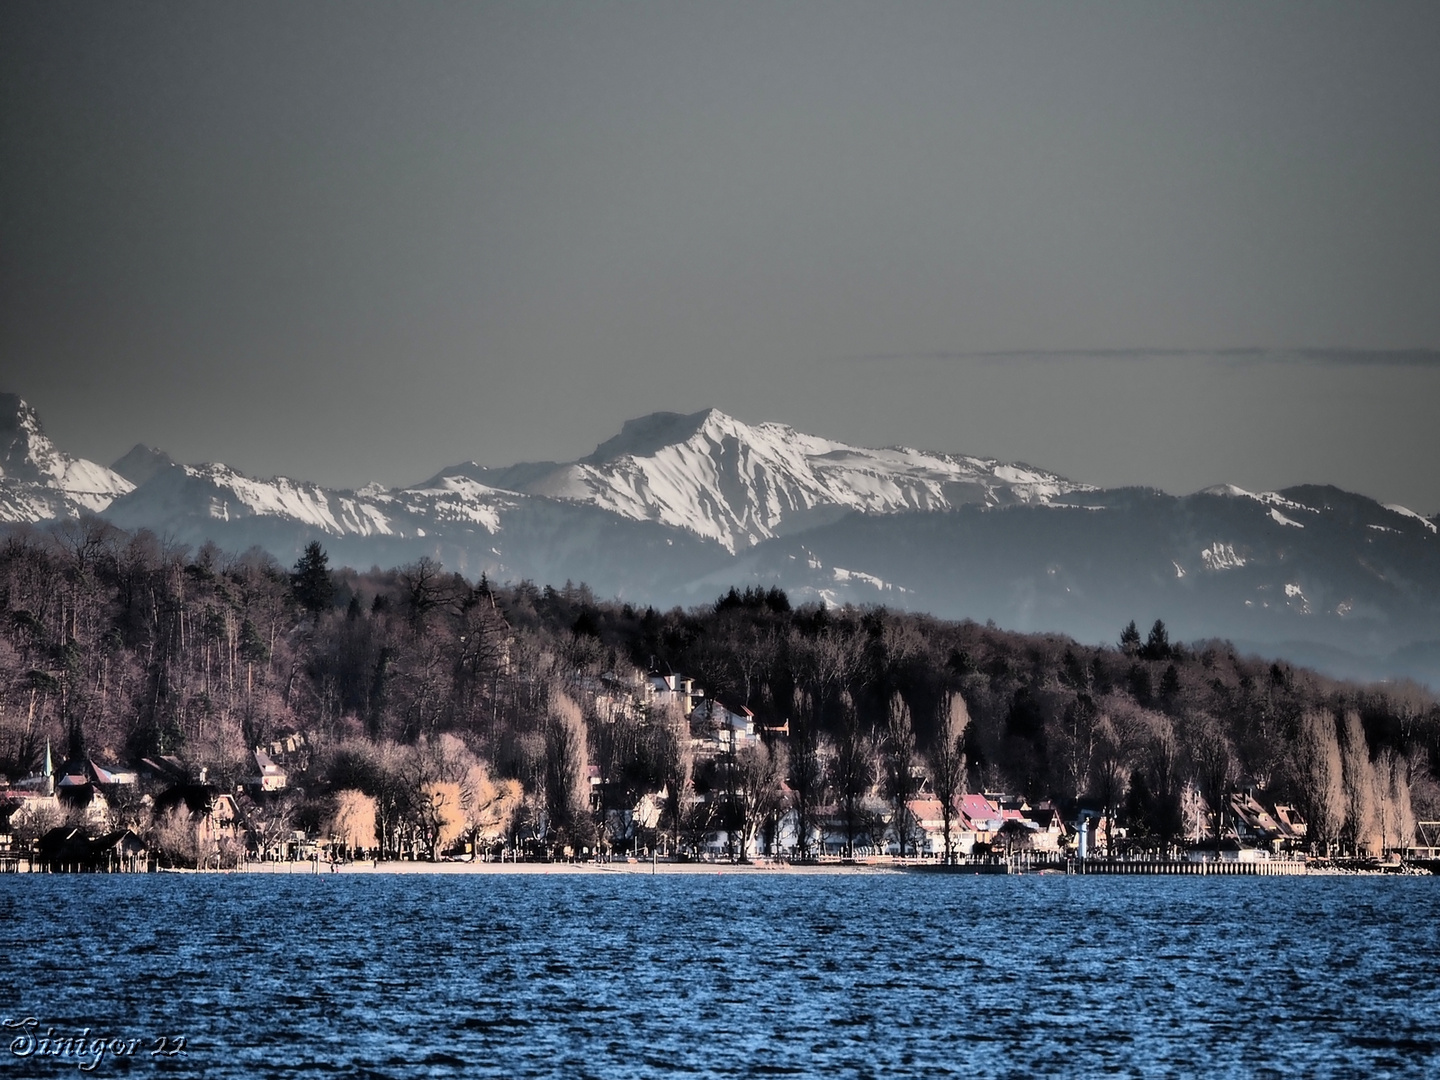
pixel 738 484
pixel 37 481
pixel 708 475
pixel 676 509
pixel 465 524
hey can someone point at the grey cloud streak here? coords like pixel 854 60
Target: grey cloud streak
pixel 1337 357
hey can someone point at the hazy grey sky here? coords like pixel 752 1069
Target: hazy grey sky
pixel 356 242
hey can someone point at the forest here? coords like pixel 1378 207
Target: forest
pixel 517 704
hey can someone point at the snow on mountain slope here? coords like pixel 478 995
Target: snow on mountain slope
pixel 455 499
pixel 219 493
pixel 724 480
pixel 1405 511
pixel 37 481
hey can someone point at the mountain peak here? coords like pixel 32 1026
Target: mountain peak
pixel 141 463
pixel 25 452
pixel 724 480
pixel 38 480
pixel 645 435
pixel 14 408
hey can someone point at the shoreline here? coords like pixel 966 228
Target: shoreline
pixel 776 869
pixel 758 869
pixel 576 868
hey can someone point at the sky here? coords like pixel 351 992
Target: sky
pixel 1134 243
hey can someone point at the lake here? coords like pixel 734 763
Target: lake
pixel 718 976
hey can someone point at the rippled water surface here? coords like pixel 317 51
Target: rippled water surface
pixel 727 975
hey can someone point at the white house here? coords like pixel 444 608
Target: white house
pixel 272 777
pixel 676 689
pixel 720 729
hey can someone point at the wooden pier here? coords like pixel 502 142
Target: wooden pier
pixel 1192 867
pixel 1284 867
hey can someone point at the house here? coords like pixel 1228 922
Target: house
pixel 218 828
pixel 163 770
pixel 1048 832
pixel 1258 823
pixel 1293 828
pixel 271 777
pixel 67 847
pixel 719 729
pixel 84 786
pixel 648 811
pixel 667 689
pixel 1253 824
pixel 595 784
pixel 927 813
pixel 33 810
pixel 926 837
pixel 982 817
pixel 617 697
pixel 9 854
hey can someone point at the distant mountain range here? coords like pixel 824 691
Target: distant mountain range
pixel 676 508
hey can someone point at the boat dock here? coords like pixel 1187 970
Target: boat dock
pixel 1195 867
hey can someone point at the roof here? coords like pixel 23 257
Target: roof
pixel 198 798
pixel 1047 817
pixel 166 766
pixel 65 844
pixel 928 810
pixel 981 812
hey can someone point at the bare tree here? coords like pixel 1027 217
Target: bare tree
pixel 1160 756
pixel 852 774
pixel 900 784
pixel 487 804
pixel 947 762
pixel 353 823
pixel 1075 743
pixel 1110 767
pixel 424 587
pixel 807 772
pixel 760 771
pixel 1319 778
pixel 1397 829
pixel 567 794
pixel 1213 762
pixel 675 764
pixel 273 821
pixel 174 838
pixel 1361 813
pixel 394 791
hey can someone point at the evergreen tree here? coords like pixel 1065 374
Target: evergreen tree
pixel 1170 684
pixel 1130 639
pixel 1157 645
pixel 310 583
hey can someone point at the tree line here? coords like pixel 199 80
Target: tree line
pixel 448 707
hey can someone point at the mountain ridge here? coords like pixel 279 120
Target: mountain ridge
pixel 677 507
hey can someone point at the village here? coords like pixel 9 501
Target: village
pixel 86 816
